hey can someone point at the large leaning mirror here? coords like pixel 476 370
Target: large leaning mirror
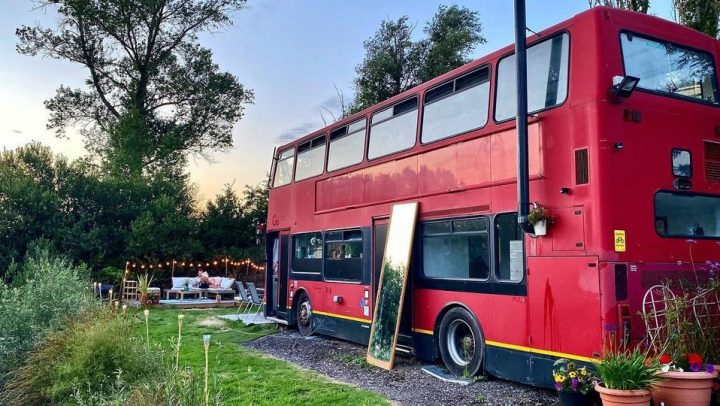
pixel 391 290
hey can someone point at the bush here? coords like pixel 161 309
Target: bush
pixel 95 357
pixel 46 292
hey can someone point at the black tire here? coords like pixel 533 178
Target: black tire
pixel 303 315
pixel 461 342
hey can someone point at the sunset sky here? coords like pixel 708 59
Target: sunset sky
pixel 291 53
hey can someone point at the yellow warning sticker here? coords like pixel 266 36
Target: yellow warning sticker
pixel 620 242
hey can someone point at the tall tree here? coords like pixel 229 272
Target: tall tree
pixel 394 62
pixel 390 64
pixel 147 72
pixel 451 35
pixel 634 5
pixel 701 15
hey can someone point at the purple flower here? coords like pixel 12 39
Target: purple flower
pixel 709 368
pixel 574 384
pixel 558 386
pixel 695 367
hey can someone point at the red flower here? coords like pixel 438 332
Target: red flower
pixel 694 359
pixel 665 359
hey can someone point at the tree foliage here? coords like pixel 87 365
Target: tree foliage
pixel 394 62
pixel 634 5
pixel 75 209
pixel 146 72
pixel 701 15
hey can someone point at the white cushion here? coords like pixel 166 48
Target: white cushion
pixel 227 283
pixel 179 283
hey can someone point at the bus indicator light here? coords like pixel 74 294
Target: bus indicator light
pixel 620 242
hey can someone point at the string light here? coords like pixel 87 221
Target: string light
pixel 247 262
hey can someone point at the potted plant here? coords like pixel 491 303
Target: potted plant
pixel 573 382
pixel 539 218
pixel 625 378
pixel 144 282
pixel 684 331
pixel 186 285
pixel 686 380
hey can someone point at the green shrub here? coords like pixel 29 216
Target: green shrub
pixel 94 357
pixel 110 275
pixel 46 293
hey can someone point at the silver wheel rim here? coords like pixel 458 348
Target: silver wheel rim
pixel 460 342
pixel 305 313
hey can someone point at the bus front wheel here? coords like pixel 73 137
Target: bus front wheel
pixel 461 342
pixel 304 315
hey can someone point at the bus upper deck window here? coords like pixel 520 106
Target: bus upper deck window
pixel 668 68
pixel 284 168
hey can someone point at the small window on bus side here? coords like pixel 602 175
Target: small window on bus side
pixel 284 168
pixel 347 145
pixel 547 78
pixel 456 107
pixel 509 261
pixel 310 158
pixel 456 249
pixel 308 253
pixel 393 129
pixel 344 256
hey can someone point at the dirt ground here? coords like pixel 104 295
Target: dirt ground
pixel 406 384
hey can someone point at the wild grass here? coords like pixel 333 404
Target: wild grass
pixel 243 376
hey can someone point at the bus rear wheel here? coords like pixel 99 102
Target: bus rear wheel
pixel 304 315
pixel 461 342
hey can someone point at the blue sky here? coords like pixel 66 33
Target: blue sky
pixel 291 53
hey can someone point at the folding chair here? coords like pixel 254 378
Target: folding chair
pixel 255 300
pixel 243 300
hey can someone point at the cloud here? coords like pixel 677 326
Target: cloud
pixel 17 131
pixel 296 132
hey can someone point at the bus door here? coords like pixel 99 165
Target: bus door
pixel 276 275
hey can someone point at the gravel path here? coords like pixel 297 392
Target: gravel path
pixel 406 384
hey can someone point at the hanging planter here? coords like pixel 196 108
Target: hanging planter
pixel 540 219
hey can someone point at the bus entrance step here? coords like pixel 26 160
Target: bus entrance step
pixel 278 321
pixel 405 349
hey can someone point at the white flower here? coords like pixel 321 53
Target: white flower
pixel 665 368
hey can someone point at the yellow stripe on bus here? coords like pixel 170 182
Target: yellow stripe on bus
pixel 341 316
pixel 488 342
pixel 538 351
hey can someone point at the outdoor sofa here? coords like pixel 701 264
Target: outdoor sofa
pixel 218 286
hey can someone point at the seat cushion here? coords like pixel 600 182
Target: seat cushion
pixel 227 283
pixel 215 282
pixel 179 283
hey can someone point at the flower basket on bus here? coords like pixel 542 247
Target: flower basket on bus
pixel 540 219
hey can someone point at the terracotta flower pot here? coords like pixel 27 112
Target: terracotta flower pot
pixel 683 388
pixel 615 397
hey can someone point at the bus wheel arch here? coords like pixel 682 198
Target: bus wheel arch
pixel 302 311
pixel 460 340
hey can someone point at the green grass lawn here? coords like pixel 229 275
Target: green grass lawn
pixel 244 376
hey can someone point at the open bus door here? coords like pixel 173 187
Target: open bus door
pixel 276 276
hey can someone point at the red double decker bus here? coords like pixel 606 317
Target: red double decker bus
pixel 629 176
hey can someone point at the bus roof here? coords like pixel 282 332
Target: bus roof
pixel 638 19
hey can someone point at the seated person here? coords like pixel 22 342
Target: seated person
pixel 204 280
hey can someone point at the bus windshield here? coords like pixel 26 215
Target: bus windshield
pixel 668 68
